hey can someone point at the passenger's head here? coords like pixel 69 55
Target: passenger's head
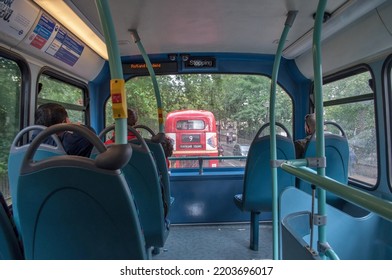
pixel 167 145
pixel 51 113
pixel 132 117
pixel 310 123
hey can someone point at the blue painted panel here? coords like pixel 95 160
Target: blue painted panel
pixel 352 238
pixel 207 198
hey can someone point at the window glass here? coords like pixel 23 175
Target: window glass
pixel 347 87
pixel 356 115
pixel 10 92
pixel 190 125
pixel 68 95
pixel 238 103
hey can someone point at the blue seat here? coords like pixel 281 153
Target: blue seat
pixel 16 155
pixel 9 245
pixel 93 217
pixel 337 157
pixel 257 192
pixel 141 173
pixel 160 160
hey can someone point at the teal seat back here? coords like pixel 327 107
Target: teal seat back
pixel 9 246
pixel 257 192
pixel 337 157
pixel 142 176
pixel 74 207
pixel 160 160
pixel 15 159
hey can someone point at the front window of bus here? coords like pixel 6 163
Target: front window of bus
pixel 10 91
pixel 349 101
pixel 239 107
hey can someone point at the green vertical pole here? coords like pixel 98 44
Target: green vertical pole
pixel 318 88
pixel 274 173
pixel 114 62
pixel 153 78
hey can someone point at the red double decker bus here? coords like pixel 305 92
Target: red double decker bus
pixel 194 134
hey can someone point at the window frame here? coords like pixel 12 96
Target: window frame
pixel 23 98
pixel 346 73
pixel 387 98
pixel 63 78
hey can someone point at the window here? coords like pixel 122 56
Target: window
pixel 10 94
pixel 350 103
pixel 66 94
pixel 190 124
pixel 239 104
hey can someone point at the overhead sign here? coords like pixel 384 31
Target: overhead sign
pixel 168 67
pixel 200 62
pixel 55 40
pixel 65 47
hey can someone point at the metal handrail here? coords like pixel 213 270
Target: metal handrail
pixel 273 154
pixel 115 65
pixel 153 79
pixel 318 97
pixel 200 159
pixel 361 198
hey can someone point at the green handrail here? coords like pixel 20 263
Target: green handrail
pixel 207 157
pixel 153 78
pixel 114 62
pixel 318 88
pixel 361 198
pixel 201 159
pixel 331 254
pixel 275 217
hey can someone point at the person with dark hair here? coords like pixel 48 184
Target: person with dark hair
pixel 131 121
pixel 49 114
pixel 310 128
pixel 132 117
pixel 167 145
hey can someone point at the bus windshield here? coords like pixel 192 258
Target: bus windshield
pixel 237 106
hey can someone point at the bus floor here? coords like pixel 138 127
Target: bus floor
pixel 215 242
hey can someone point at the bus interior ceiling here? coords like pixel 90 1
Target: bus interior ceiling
pixel 169 28
pixel 232 37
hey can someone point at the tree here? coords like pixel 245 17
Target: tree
pixel 10 88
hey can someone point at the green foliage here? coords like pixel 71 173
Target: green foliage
pixel 54 90
pixel 58 91
pixel 237 99
pixel 10 86
pixel 356 117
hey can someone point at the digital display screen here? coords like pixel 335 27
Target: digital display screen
pixel 159 68
pixel 200 62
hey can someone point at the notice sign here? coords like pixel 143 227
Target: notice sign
pixel 65 47
pixel 17 17
pixel 53 39
pixel 159 68
pixel 42 32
